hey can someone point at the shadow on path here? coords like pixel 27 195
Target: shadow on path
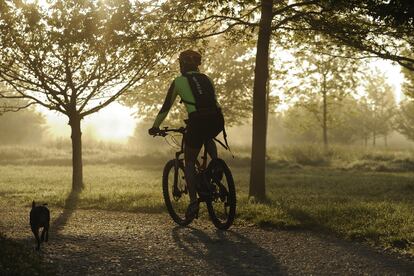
pixel 70 205
pixel 227 251
pixel 358 246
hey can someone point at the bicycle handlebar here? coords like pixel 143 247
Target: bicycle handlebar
pixel 163 132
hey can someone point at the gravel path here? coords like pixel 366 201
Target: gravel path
pixel 93 242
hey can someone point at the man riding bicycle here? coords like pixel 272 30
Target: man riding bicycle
pixel 205 120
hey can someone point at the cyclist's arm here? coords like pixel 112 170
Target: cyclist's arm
pixel 168 103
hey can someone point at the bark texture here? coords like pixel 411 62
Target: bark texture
pixel 257 188
pixel 77 168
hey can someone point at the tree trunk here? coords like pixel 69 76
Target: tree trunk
pixel 325 115
pixel 77 168
pixel 257 188
pixel 374 138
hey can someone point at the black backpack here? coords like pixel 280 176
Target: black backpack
pixel 203 91
pixel 205 99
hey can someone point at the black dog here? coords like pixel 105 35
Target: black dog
pixel 40 217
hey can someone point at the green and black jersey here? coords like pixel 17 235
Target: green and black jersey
pixel 180 86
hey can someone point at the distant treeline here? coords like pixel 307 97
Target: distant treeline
pixel 295 125
pixel 23 127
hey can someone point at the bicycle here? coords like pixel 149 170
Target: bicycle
pixel 215 187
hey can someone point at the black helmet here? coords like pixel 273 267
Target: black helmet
pixel 190 57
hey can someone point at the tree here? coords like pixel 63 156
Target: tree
pixel 376 27
pixel 257 187
pixel 8 104
pixel 345 125
pixel 322 80
pixel 408 84
pixel 301 124
pixel 363 119
pixel 77 57
pixel 25 126
pixel 382 106
pixel 404 122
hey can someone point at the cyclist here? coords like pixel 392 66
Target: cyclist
pixel 205 120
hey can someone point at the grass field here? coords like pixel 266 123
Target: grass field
pixel 376 207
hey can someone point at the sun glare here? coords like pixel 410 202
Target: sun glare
pixel 115 123
pixel 40 2
pixel 393 74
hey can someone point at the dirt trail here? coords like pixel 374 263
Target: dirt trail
pixel 94 242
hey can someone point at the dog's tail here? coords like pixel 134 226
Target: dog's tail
pixel 33 204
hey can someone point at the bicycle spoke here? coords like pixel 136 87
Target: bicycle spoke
pixel 223 205
pixel 175 192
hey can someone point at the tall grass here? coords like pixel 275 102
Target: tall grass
pixel 346 157
pixel 44 155
pixel 288 156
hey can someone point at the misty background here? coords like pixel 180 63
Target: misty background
pixel 122 126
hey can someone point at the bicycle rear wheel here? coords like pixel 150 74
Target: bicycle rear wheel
pixel 175 192
pixel 222 205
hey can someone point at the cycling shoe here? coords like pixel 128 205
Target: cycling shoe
pixel 192 210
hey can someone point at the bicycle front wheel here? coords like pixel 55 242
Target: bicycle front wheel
pixel 175 192
pixel 222 205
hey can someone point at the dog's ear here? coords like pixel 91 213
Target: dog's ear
pixel 44 204
pixel 33 204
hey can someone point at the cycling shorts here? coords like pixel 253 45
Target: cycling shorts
pixel 203 126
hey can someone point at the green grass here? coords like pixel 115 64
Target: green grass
pixel 377 207
pixel 364 206
pixel 107 187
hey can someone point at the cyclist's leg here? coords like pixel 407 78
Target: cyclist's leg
pixel 214 127
pixel 211 148
pixel 190 157
pixel 192 146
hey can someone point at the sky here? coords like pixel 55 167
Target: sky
pixel 394 74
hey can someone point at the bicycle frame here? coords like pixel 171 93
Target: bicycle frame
pixel 210 189
pixel 199 166
pixel 178 160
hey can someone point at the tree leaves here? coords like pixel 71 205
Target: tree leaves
pixel 404 122
pixel 79 56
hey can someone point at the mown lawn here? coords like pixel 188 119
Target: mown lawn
pixel 376 207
